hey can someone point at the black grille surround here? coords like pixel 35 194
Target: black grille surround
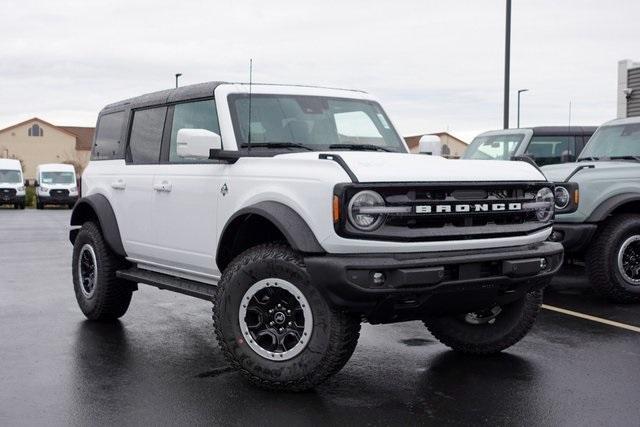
pixel 7 193
pixel 441 226
pixel 58 193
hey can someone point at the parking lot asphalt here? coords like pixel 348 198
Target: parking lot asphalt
pixel 160 364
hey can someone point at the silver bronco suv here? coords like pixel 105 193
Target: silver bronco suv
pixel 598 209
pixel 300 213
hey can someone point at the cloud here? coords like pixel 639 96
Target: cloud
pixel 434 65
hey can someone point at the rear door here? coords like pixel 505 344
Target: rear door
pixel 186 195
pixel 132 186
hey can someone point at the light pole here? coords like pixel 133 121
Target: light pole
pixel 177 76
pixel 519 92
pixel 507 60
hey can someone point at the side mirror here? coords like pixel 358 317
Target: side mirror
pixel 431 145
pixel 26 182
pixel 197 143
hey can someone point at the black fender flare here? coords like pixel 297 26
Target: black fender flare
pixel 98 206
pixel 605 208
pixel 295 230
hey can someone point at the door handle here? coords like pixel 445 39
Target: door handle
pixel 118 184
pixel 164 186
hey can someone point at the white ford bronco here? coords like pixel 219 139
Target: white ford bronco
pixel 299 212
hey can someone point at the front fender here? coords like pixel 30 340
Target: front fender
pixel 605 208
pixel 291 225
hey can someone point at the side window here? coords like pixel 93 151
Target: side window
pixel 192 115
pixel 146 135
pixel 108 137
pixel 549 150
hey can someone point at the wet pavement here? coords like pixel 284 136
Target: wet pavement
pixel 161 365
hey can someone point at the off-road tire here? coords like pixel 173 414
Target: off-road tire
pixel 111 297
pixel 602 259
pixel 22 205
pixel 333 338
pixel 39 205
pixel 510 326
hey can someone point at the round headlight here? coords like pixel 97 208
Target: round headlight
pixel 365 221
pixel 545 211
pixel 562 197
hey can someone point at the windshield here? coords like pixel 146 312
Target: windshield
pixel 10 176
pixel 58 178
pixel 313 123
pixel 493 147
pixel 613 141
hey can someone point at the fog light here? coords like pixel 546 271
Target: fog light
pixel 378 278
pixel 543 264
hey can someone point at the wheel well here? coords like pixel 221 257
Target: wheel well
pixel 243 233
pixel 82 213
pixel 96 208
pixel 630 207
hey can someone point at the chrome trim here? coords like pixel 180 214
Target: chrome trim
pixel 382 210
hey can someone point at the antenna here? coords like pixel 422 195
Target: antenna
pixel 250 83
pixel 569 115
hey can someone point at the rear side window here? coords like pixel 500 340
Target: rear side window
pixel 108 137
pixel 550 150
pixel 146 135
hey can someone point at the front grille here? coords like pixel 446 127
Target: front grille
pixel 7 193
pixel 452 211
pixel 59 193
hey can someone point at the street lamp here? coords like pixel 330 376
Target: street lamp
pixel 177 75
pixel 519 92
pixel 507 63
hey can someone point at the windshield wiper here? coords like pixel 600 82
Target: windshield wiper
pixel 361 147
pixel 636 158
pixel 277 145
pixel 591 159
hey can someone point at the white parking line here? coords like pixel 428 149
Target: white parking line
pixel 592 318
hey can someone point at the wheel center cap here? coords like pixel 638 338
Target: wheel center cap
pixel 279 318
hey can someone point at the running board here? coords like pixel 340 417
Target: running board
pixel 171 283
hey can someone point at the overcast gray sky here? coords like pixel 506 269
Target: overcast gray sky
pixel 435 65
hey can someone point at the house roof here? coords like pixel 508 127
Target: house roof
pixel 83 135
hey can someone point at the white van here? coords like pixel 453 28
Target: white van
pixel 56 185
pixel 11 183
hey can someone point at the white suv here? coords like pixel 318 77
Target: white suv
pixel 300 213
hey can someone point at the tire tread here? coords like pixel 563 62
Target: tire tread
pixel 342 343
pixel 597 265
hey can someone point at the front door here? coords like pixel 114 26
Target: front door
pixel 185 196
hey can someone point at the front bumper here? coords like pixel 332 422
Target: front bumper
pixel 57 200
pixel 575 237
pixel 6 200
pixel 418 286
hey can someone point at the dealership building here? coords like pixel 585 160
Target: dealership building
pixel 628 89
pixel 36 141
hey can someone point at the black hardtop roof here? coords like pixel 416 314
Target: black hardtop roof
pixel 183 93
pixel 200 90
pixel 563 130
